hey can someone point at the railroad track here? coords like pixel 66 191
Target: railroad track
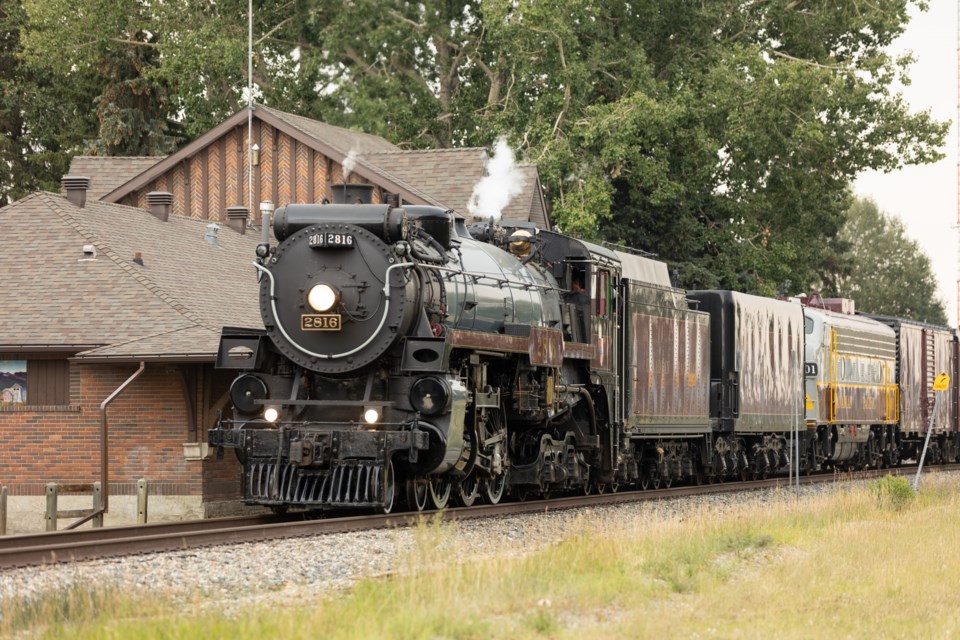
pixel 88 544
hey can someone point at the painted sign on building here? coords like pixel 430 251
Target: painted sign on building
pixel 13 382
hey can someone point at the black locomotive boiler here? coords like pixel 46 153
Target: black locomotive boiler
pixel 400 356
pixel 407 359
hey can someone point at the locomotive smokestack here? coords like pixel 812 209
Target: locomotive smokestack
pixel 76 188
pixel 351 193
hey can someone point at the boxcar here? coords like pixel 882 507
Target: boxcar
pixel 923 351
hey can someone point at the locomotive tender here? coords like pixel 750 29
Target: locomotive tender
pixel 406 359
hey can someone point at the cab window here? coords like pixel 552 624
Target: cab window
pixel 601 292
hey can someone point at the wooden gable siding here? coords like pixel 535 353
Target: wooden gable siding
pixel 204 185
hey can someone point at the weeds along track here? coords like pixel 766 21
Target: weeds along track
pixel 89 544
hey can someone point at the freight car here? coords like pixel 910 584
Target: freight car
pixel 405 359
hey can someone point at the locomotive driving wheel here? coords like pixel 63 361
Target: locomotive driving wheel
pixel 439 490
pixel 467 491
pixel 417 490
pixel 389 487
pixel 493 488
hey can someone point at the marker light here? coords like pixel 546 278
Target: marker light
pixel 322 298
pixel 271 414
pixel 371 416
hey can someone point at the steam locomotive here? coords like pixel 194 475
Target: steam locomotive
pixel 408 360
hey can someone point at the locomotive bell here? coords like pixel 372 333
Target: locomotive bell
pixel 520 243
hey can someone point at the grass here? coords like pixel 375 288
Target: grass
pixel 848 564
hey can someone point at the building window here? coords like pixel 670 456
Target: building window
pixel 34 383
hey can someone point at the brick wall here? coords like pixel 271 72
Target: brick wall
pixel 148 424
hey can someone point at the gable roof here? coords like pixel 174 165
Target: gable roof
pixel 337 147
pixel 108 173
pixel 439 177
pixel 343 140
pixel 186 286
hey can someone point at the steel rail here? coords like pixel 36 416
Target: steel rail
pixel 73 546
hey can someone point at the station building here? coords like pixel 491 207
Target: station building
pixel 114 299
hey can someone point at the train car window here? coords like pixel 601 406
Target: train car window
pixel 601 292
pixel 808 325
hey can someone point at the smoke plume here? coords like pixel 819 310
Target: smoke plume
pixel 503 181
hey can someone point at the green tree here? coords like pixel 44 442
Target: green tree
pixel 112 45
pixel 889 274
pixel 719 135
pixel 42 119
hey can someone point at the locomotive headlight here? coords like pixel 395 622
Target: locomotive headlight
pixel 371 415
pixel 322 298
pixel 271 414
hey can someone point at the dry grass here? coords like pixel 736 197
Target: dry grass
pixel 845 564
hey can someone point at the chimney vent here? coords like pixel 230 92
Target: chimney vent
pixel 211 234
pixel 392 199
pixel 76 189
pixel 159 203
pixel 138 258
pixel 237 219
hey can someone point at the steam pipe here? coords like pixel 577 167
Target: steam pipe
pixel 104 477
pixel 585 394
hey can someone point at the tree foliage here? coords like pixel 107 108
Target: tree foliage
pixel 42 119
pixel 888 273
pixel 720 135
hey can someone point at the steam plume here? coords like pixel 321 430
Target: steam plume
pixel 503 181
pixel 348 164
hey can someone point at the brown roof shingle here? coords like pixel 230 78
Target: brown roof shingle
pixel 187 343
pixel 343 140
pixel 450 175
pixel 56 296
pixel 108 173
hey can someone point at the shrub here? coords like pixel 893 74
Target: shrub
pixel 893 492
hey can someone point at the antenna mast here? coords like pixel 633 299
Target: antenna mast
pixel 250 109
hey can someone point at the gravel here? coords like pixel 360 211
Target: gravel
pixel 230 577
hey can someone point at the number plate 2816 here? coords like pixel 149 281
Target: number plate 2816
pixel 329 240
pixel 320 322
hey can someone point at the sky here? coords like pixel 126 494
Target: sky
pixel 925 196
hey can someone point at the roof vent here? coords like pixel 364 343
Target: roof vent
pixel 237 218
pixel 351 193
pixel 89 253
pixel 392 199
pixel 159 204
pixel 76 189
pixel 211 235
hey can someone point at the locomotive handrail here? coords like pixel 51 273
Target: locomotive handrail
pixel 500 281
pixel 325 356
